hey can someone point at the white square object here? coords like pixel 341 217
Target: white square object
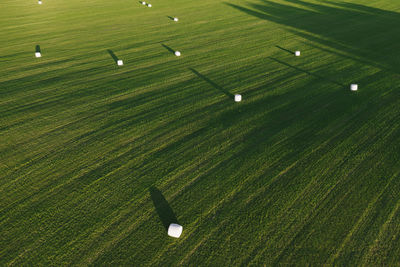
pixel 39 2
pixel 143 3
pixel 354 87
pixel 149 5
pixel 297 53
pixel 120 62
pixel 38 54
pixel 177 53
pixel 175 230
pixel 238 98
pixel 175 19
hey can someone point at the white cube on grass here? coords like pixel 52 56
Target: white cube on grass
pixel 39 2
pixel 149 5
pixel 238 98
pixel 354 87
pixel 175 230
pixel 297 53
pixel 175 19
pixel 38 54
pixel 177 53
pixel 120 62
pixel 143 3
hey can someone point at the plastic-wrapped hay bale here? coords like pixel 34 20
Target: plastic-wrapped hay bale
pixel 39 2
pixel 38 54
pixel 175 19
pixel 354 87
pixel 175 230
pixel 143 3
pixel 120 62
pixel 177 53
pixel 238 98
pixel 149 5
pixel 297 53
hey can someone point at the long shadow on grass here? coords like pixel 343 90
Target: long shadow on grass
pixel 168 48
pixel 164 210
pixel 216 86
pixel 307 72
pixel 284 49
pixel 366 32
pixel 109 130
pixel 37 49
pixel 112 55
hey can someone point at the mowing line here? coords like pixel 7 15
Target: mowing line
pixel 357 225
pixel 368 257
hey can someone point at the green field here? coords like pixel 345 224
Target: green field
pixel 96 159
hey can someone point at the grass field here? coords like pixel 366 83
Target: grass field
pixel 96 159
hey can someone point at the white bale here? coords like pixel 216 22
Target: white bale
pixel 177 53
pixel 143 3
pixel 238 98
pixel 149 5
pixel 39 2
pixel 297 53
pixel 354 87
pixel 120 62
pixel 38 54
pixel 175 230
pixel 175 19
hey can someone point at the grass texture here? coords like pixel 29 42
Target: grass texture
pixel 96 159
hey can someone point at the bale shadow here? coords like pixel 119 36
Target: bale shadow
pixel 115 58
pixel 164 210
pixel 37 48
pixel 169 48
pixel 284 49
pixel 307 72
pixel 216 86
pixel 171 18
